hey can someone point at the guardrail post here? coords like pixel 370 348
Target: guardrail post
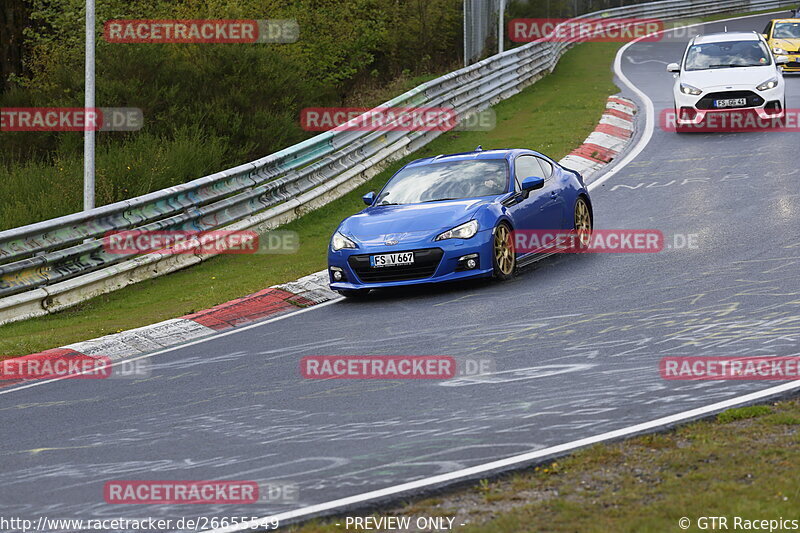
pixel 88 107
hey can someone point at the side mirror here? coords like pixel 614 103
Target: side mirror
pixel 781 60
pixel 673 67
pixel 532 183
pixel 369 198
pixel 766 37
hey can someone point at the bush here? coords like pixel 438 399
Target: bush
pixel 216 105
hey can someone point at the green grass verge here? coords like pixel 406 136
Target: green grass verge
pixel 743 463
pixel 554 115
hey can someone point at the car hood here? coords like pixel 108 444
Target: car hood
pixel 728 77
pixel 786 44
pixel 378 222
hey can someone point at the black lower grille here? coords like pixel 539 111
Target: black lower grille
pixel 425 264
pixel 707 102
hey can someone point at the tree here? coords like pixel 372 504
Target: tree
pixel 14 17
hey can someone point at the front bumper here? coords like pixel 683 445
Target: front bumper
pixel 794 63
pixel 359 275
pixel 694 110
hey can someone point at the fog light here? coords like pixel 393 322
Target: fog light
pixel 337 274
pixel 687 113
pixel 773 108
pixel 468 262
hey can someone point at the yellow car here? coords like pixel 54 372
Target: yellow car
pixel 783 37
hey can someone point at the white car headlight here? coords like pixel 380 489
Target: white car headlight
pixel 464 231
pixel 339 242
pixel 769 84
pixel 688 89
pixel 780 51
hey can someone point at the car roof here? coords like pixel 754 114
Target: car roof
pixel 785 20
pixel 474 155
pixel 727 37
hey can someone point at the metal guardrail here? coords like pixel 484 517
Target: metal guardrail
pixel 51 265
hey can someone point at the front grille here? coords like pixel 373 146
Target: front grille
pixel 707 102
pixel 425 263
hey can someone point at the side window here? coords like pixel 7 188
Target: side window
pixel 526 166
pixel 547 168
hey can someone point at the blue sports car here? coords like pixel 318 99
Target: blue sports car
pixel 451 217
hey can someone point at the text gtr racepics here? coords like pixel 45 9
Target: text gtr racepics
pixel 451 217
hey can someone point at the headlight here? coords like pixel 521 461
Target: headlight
pixel 688 89
pixel 339 241
pixel 780 51
pixel 769 84
pixel 464 231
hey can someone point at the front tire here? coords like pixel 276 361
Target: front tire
pixel 504 258
pixel 583 222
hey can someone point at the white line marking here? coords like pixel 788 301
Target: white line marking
pixel 561 448
pixel 178 346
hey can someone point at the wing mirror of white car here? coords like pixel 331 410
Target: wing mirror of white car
pixel 781 60
pixel 673 67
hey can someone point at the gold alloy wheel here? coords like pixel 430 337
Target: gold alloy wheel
pixel 504 250
pixel 583 222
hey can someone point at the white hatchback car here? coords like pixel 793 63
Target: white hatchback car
pixel 721 72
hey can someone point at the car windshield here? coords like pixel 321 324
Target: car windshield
pixel 786 30
pixel 446 181
pixel 729 54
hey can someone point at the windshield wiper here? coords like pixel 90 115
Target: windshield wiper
pixel 388 203
pixel 730 65
pixel 439 200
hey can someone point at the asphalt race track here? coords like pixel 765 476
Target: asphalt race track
pixel 575 340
